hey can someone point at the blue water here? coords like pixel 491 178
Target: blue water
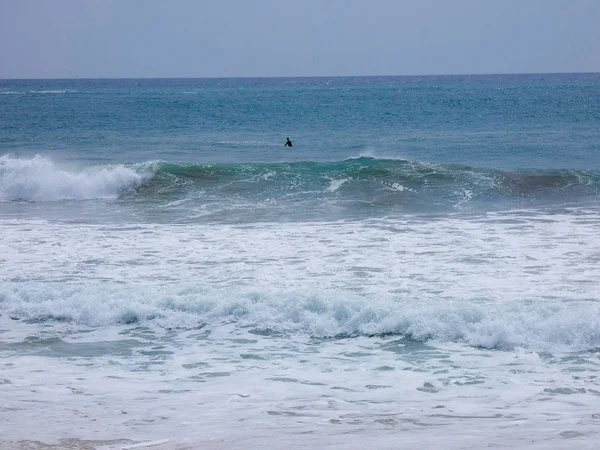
pixel 526 121
pixel 362 146
pixel 425 257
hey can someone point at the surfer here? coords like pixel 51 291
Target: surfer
pixel 288 143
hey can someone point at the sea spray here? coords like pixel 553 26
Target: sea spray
pixel 39 179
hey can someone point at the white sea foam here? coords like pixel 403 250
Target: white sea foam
pixel 397 187
pixel 336 184
pixel 374 154
pixel 40 179
pixel 268 175
pixel 464 196
pixel 572 326
pixel 51 91
pixel 237 390
pixel 212 327
pixel 496 281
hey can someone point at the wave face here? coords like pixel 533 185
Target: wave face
pixel 360 182
pixel 374 179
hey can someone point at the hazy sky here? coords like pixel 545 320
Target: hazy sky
pixel 232 38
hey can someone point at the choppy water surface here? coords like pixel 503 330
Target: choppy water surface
pixel 421 267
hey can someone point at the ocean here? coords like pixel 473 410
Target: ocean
pixel 421 268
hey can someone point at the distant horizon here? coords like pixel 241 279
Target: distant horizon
pixel 112 39
pixel 302 76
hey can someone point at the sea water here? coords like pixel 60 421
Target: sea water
pixel 421 268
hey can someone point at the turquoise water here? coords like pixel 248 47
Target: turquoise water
pixel 423 260
pixel 364 147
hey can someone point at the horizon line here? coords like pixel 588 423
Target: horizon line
pixel 301 76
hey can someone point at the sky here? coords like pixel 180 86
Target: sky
pixel 264 38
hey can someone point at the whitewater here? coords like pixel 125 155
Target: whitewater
pixel 171 277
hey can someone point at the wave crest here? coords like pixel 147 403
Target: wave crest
pixel 39 179
pixel 573 326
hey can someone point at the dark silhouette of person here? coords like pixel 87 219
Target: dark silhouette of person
pixel 288 143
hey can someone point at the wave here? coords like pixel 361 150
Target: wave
pixel 545 325
pixel 39 179
pixel 378 181
pixel 382 182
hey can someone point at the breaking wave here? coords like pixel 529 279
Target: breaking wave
pixel 39 179
pixel 380 181
pixel 573 326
